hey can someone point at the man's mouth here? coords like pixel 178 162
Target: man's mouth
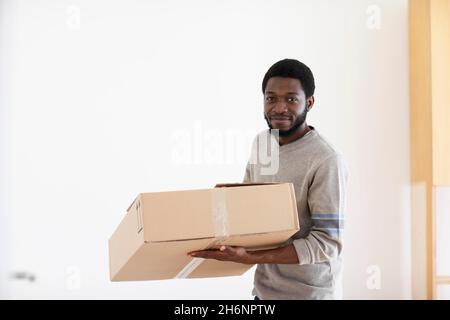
pixel 280 121
pixel 280 118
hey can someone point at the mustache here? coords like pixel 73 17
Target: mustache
pixel 280 116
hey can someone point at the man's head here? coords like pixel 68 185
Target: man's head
pixel 288 89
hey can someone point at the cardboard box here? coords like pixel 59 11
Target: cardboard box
pixel 159 229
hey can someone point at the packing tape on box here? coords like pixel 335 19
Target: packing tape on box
pixel 219 216
pixel 220 213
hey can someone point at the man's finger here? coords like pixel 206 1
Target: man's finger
pixel 203 253
pixel 209 255
pixel 192 253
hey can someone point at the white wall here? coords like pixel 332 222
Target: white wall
pixel 5 179
pixel 96 90
pixel 442 207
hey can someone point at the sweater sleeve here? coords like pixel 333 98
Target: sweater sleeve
pixel 326 201
pixel 247 175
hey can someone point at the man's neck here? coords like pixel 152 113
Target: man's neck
pixel 302 130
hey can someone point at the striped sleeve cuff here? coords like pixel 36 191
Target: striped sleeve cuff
pixel 331 224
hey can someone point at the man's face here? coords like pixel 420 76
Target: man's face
pixel 284 105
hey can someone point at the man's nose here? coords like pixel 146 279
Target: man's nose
pixel 280 107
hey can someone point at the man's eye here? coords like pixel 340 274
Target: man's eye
pixel 269 99
pixel 292 99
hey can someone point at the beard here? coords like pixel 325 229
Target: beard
pixel 299 121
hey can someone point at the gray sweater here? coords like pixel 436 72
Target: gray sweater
pixel 319 176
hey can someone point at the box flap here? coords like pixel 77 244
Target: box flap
pixel 177 215
pixel 132 203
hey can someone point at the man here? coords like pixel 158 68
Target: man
pixel 309 266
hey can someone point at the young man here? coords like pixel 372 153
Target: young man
pixel 309 266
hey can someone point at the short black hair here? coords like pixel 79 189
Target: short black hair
pixel 291 68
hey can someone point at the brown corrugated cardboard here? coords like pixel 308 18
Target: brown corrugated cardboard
pixel 160 228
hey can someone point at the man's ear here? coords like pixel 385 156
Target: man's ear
pixel 309 103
